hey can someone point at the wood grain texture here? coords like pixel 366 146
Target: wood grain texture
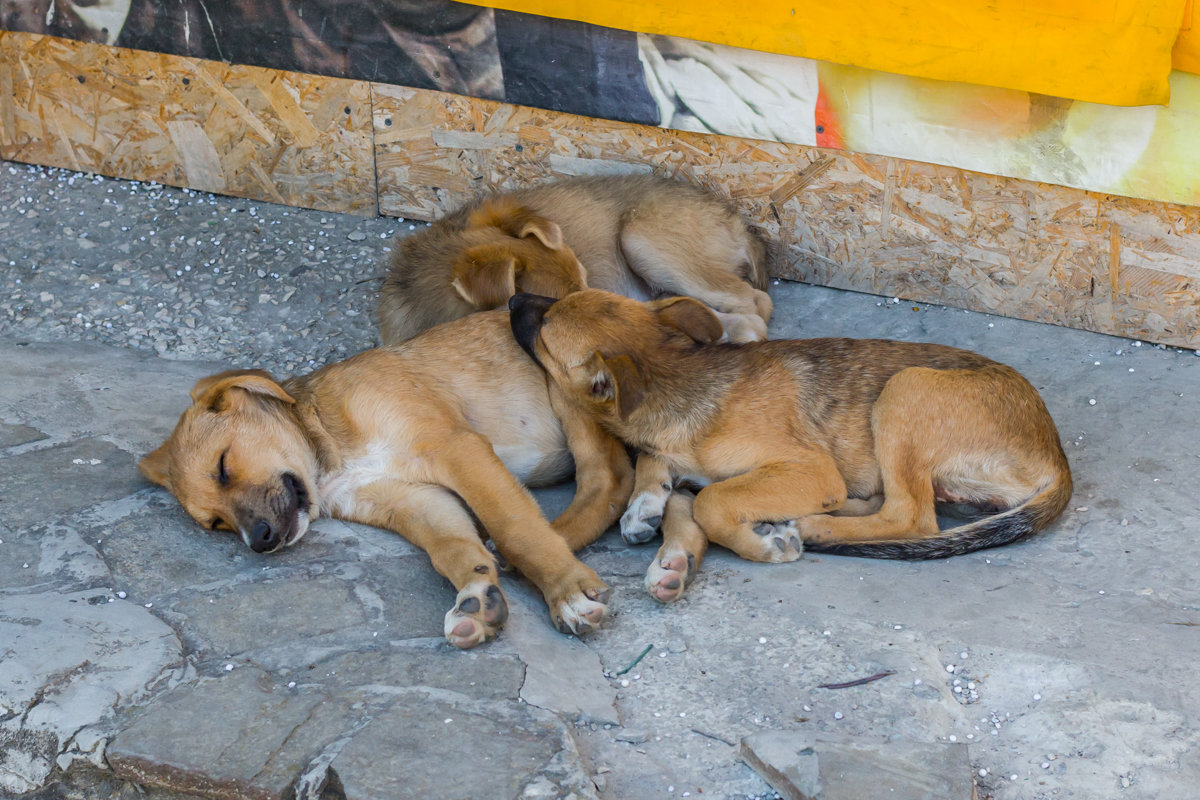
pixel 285 137
pixel 867 223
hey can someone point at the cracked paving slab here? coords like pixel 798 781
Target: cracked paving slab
pixel 1057 660
pixel 67 660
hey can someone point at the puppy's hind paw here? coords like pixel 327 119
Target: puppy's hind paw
pixel 669 575
pixel 642 518
pixel 479 611
pixel 781 540
pixel 580 606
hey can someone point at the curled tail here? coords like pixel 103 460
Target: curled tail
pixel 1007 526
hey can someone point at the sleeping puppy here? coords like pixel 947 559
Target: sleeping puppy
pixel 642 236
pixel 422 439
pixel 838 445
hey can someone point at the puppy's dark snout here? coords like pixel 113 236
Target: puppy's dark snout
pixel 525 315
pixel 263 538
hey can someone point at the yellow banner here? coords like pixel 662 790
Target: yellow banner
pixel 1104 51
pixel 1186 55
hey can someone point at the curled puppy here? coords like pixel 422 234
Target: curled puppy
pixel 835 445
pixel 642 236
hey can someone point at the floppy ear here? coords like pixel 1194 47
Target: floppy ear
pixel 156 466
pixel 485 276
pixel 516 220
pixel 212 391
pixel 690 317
pixel 617 381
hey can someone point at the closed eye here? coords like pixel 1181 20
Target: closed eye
pixel 222 473
pixel 216 524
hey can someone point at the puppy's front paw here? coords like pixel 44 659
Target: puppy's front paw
pixel 644 515
pixel 479 611
pixel 781 540
pixel 742 328
pixel 579 603
pixel 669 575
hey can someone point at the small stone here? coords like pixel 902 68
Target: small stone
pixel 356 236
pixel 632 736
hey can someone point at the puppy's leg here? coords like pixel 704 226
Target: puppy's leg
pixel 683 548
pixel 467 464
pixel 710 271
pixel 651 488
pixel 603 477
pixel 754 514
pixel 912 423
pixel 433 519
pixel 742 327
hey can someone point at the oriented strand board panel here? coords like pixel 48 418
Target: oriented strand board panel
pixel 867 223
pixel 284 137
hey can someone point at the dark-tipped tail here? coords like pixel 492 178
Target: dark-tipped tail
pixel 1008 526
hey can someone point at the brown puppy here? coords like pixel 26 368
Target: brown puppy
pixel 642 236
pixel 784 435
pixel 414 438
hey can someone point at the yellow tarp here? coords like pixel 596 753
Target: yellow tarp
pixel 1104 51
pixel 1186 55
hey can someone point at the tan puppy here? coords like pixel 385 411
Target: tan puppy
pixel 414 438
pixel 783 435
pixel 642 236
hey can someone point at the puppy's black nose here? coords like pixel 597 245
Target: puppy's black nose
pixel 525 315
pixel 263 537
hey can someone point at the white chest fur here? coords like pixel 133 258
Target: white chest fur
pixel 338 490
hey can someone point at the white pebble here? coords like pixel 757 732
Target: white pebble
pixel 121 595
pixel 447 720
pixel 762 640
pixel 837 715
pixel 229 667
pixel 983 773
pixel 1037 697
pixel 1092 402
pixel 1045 765
pixel 952 738
pixel 1012 777
pixel 949 668
pixel 291 684
pixel 963 655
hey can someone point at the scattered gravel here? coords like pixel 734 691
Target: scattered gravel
pixel 186 274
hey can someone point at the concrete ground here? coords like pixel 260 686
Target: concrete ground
pixel 143 657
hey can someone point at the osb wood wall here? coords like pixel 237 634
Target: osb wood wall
pixel 868 223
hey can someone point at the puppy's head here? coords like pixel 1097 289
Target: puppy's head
pixel 238 461
pixel 599 347
pixel 513 250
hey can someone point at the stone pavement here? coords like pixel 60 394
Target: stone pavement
pixel 143 657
